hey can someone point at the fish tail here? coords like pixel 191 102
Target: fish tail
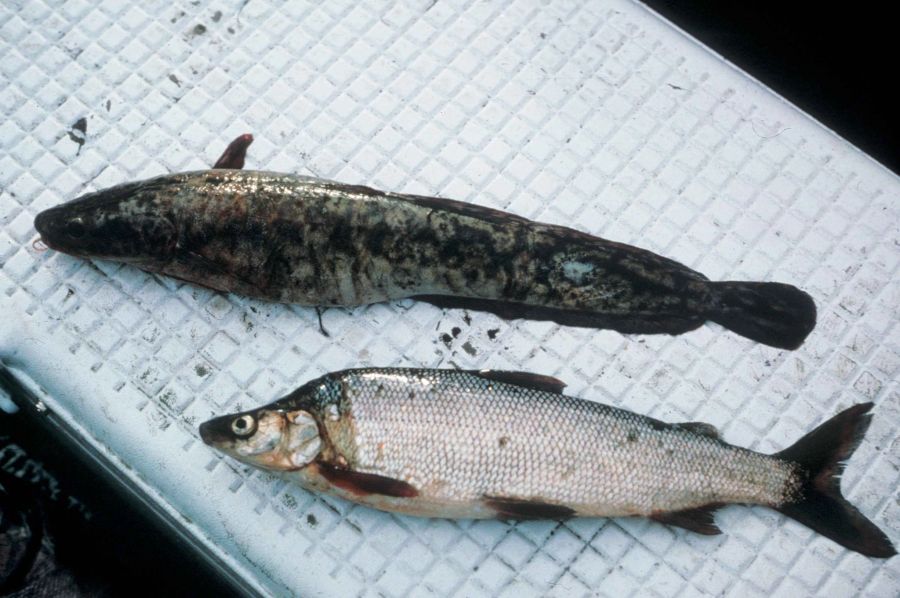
pixel 779 315
pixel 819 505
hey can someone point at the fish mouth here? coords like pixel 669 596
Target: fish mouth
pixel 213 432
pixel 43 222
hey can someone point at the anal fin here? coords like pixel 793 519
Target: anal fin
pixel 516 508
pixel 700 520
pixel 524 379
pixel 361 484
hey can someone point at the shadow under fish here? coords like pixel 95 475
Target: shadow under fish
pixel 296 239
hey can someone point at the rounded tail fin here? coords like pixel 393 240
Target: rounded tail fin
pixel 777 314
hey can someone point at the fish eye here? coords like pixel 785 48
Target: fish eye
pixel 244 425
pixel 75 228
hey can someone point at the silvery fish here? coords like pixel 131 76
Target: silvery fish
pixel 485 444
pixel 296 239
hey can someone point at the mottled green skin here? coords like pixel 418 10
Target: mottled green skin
pixel 298 240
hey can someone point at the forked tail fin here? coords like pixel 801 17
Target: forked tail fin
pixel 773 313
pixel 820 506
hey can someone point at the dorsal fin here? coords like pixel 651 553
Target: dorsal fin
pixel 699 428
pixel 524 379
pixel 700 520
pixel 234 154
pixel 465 209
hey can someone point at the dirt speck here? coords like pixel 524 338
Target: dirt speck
pixel 675 87
pixel 231 30
pixel 311 520
pixel 492 333
pixel 201 370
pixel 108 105
pixel 176 17
pixel 199 29
pixel 78 133
pixel 468 348
pixel 174 80
pixel 446 339
pixel 467 318
pixel 289 501
pixel 69 292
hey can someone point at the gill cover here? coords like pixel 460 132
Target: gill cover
pixel 272 439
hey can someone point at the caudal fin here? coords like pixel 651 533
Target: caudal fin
pixel 773 313
pixel 821 455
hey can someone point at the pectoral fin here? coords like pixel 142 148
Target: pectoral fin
pixel 361 484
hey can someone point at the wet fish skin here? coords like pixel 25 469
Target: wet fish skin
pixel 295 239
pixel 446 443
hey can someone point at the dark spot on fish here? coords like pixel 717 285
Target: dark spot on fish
pixel 174 80
pixel 199 29
pixel 78 133
pixel 446 339
pixel 675 87
pixel 670 452
pixel 632 436
pixel 201 370
pixel 468 348
pixel 69 293
pixel 230 30
pixel 503 441
pixel 492 333
pixel 412 394
pixel 455 331
pixel 311 520
pixel 543 35
pixel 768 363
pixel 108 104
pixel 467 318
pixel 217 16
pixel 178 16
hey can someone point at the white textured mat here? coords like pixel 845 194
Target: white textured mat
pixel 594 114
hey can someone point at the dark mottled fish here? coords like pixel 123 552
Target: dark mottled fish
pixel 301 240
pixel 470 444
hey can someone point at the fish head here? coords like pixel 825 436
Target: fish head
pixel 128 223
pixel 273 439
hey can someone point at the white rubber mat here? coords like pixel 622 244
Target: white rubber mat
pixel 593 114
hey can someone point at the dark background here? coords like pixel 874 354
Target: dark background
pixel 838 63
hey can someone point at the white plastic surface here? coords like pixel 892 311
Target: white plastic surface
pixel 593 114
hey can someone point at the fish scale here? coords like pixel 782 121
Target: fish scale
pixel 479 444
pixel 459 438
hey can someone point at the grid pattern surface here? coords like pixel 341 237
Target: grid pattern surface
pixel 592 114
